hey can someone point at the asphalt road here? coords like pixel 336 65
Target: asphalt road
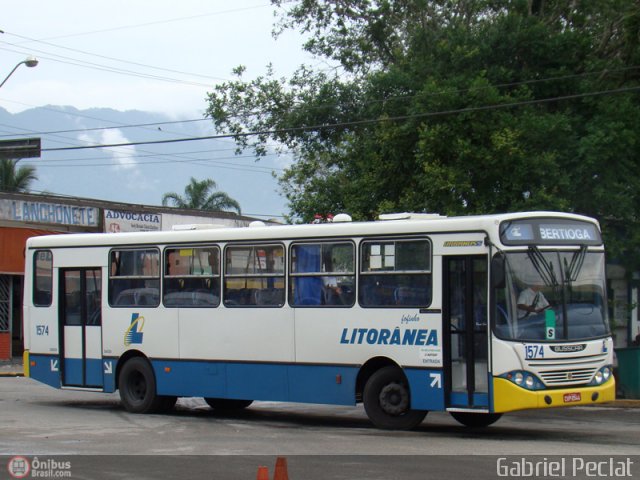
pixel 100 437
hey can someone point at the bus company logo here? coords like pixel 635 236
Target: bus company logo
pixel 568 348
pixel 133 334
pixel 385 336
pixel 515 232
pixel 19 467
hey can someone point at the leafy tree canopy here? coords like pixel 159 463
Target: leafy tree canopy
pixel 455 107
pixel 199 195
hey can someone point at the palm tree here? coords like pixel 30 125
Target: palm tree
pixel 199 195
pixel 14 179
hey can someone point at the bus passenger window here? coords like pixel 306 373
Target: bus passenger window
pixel 254 276
pixel 42 278
pixel 395 273
pixel 191 277
pixel 323 274
pixel 134 278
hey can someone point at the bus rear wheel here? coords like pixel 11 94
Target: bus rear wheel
pixel 387 401
pixel 476 420
pixel 227 403
pixel 137 384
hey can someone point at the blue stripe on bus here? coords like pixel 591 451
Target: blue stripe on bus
pixel 326 384
pixel 45 369
pixel 461 399
pixel 73 372
pixel 427 388
pixel 257 381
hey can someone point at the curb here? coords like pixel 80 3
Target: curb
pixel 623 403
pixel 11 374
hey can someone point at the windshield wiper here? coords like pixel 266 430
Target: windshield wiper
pixel 577 260
pixel 542 266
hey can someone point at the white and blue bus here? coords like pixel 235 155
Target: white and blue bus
pixel 477 315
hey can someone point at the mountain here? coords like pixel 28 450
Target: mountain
pixel 139 174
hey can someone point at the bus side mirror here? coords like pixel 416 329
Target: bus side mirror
pixel 498 271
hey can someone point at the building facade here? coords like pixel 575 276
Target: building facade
pixel 27 215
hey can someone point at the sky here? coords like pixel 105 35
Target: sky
pixel 161 56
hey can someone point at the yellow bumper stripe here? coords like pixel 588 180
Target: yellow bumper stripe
pixel 508 397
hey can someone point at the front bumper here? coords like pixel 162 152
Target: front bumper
pixel 508 397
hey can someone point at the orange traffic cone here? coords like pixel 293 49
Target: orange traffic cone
pixel 281 472
pixel 263 473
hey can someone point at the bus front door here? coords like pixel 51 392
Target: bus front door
pixel 465 327
pixel 81 324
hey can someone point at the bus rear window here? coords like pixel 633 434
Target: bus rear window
pixel 42 278
pixel 134 278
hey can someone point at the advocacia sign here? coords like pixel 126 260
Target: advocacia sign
pixel 116 221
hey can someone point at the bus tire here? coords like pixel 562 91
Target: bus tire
pixel 476 420
pixel 387 401
pixel 137 384
pixel 227 403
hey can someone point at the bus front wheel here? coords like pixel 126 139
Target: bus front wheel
pixel 137 385
pixel 387 401
pixel 476 420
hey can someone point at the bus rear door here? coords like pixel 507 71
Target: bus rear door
pixel 81 325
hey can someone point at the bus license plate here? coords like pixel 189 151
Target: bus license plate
pixel 572 397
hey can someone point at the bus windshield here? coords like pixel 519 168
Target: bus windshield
pixel 551 296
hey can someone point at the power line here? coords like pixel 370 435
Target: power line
pixel 357 122
pixel 115 127
pixel 137 64
pixel 325 105
pixel 106 68
pixel 157 22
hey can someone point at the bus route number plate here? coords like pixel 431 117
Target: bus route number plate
pixel 572 397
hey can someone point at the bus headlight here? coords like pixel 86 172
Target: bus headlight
pixel 524 379
pixel 602 376
pixel 518 378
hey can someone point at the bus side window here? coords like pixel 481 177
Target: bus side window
pixel 395 273
pixel 323 274
pixel 42 278
pixel 254 276
pixel 192 277
pixel 134 278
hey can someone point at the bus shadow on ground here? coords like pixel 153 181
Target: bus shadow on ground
pixel 269 414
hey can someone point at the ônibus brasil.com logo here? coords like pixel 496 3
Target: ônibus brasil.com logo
pixel 21 467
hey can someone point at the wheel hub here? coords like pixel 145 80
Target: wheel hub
pixel 394 399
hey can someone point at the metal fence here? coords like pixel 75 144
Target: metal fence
pixel 5 303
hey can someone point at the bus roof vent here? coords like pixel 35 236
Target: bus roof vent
pixel 197 226
pixel 409 216
pixel 342 218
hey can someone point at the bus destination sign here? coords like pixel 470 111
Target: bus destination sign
pixel 549 232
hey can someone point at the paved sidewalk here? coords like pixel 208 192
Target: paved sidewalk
pixel 11 368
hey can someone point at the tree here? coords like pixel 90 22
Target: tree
pixel 455 107
pixel 199 195
pixel 13 179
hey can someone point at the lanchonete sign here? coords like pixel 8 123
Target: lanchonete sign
pixel 48 213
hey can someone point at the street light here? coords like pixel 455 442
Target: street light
pixel 29 62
